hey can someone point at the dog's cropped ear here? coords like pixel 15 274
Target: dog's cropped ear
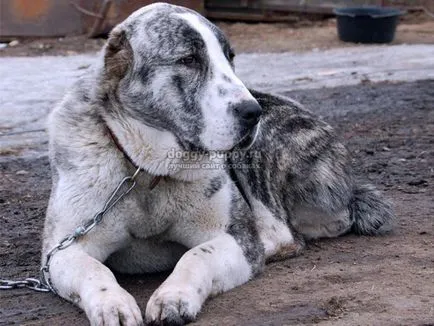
pixel 118 57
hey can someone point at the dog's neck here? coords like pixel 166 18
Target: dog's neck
pixel 158 153
pixel 155 180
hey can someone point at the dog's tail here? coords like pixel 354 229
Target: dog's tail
pixel 370 212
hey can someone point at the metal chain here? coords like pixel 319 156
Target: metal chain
pixel 44 284
pixel 29 283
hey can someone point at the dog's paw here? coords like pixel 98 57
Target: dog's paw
pixel 114 308
pixel 173 305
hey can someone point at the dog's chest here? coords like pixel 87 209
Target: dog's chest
pixel 172 205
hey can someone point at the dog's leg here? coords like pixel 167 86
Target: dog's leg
pixel 77 272
pixel 85 281
pixel 210 268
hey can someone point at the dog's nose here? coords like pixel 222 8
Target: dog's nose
pixel 249 113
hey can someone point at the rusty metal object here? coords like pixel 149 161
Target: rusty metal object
pixel 47 18
pixel 38 18
pixel 30 9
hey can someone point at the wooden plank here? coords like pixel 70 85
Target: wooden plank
pixel 251 16
pixel 217 8
pixel 214 4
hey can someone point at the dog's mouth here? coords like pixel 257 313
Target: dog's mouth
pixel 248 139
pixel 243 144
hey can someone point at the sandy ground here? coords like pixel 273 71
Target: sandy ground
pixel 347 281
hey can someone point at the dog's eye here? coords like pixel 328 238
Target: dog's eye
pixel 188 60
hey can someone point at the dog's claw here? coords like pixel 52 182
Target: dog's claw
pixel 172 308
pixel 117 309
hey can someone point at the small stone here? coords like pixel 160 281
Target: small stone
pixel 21 172
pixel 3 46
pixel 14 43
pixel 42 46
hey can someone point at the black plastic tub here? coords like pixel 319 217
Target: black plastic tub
pixel 367 24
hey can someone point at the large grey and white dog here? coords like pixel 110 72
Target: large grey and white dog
pixel 246 176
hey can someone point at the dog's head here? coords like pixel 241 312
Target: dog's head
pixel 168 69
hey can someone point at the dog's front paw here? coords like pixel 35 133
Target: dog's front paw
pixel 173 305
pixel 113 307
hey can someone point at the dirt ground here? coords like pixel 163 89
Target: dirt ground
pixel 302 34
pixel 346 281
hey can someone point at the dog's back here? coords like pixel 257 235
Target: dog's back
pixel 300 171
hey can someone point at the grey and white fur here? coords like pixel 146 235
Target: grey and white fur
pixel 165 85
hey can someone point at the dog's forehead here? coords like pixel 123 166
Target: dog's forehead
pixel 203 26
pixel 171 24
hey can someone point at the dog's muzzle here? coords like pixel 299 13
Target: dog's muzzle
pixel 247 141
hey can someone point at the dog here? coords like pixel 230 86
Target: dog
pixel 231 178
